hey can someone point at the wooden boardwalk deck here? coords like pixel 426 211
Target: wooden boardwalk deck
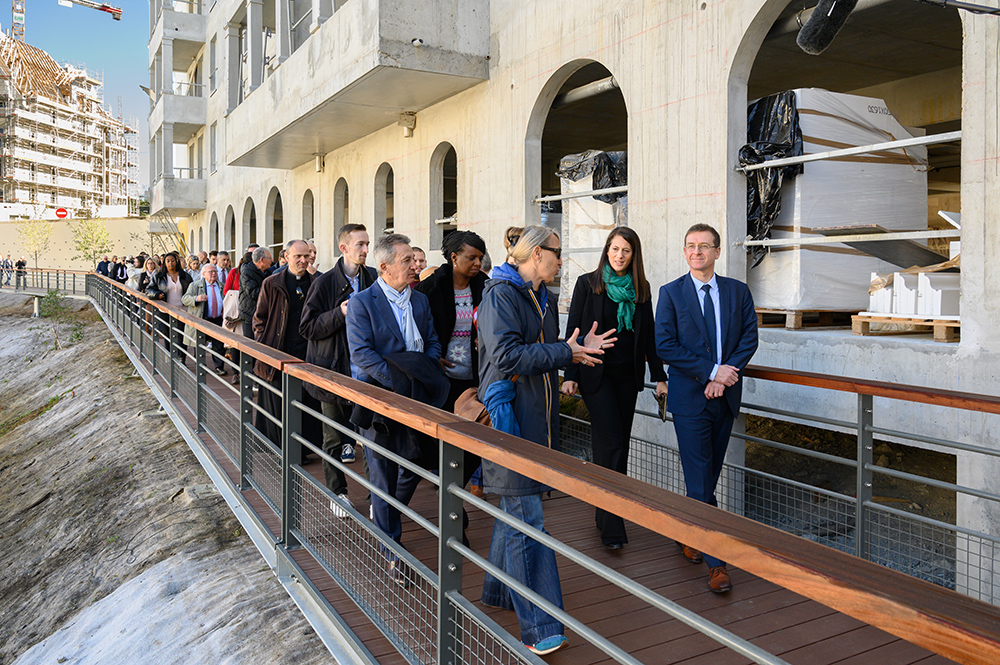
pixel 797 629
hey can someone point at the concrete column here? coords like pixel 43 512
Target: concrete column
pixel 255 43
pixel 153 12
pixel 157 75
pixel 167 65
pixel 167 139
pixel 154 160
pixel 321 10
pixel 232 65
pixel 283 30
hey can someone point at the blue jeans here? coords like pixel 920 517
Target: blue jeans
pixel 530 563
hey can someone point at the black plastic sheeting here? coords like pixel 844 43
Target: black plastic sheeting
pixel 610 169
pixel 773 132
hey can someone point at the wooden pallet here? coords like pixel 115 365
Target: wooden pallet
pixel 798 319
pixel 945 330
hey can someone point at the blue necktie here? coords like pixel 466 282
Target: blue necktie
pixel 710 322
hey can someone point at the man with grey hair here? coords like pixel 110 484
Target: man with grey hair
pixel 252 276
pixel 313 269
pixel 392 341
pixel 276 324
pixel 204 301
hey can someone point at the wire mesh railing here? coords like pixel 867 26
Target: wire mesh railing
pixel 423 612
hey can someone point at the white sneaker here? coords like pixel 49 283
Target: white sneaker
pixel 336 508
pixel 347 454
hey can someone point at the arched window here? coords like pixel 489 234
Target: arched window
pixel 308 229
pixel 341 211
pixel 443 194
pixel 213 233
pixel 384 208
pixel 249 223
pixel 201 239
pixel 274 234
pixel 230 239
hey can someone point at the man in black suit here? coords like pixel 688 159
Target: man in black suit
pixel 706 331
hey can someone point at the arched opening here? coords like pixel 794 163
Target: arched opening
pixel 341 211
pixel 870 85
pixel 443 194
pixel 580 109
pixel 308 228
pixel 230 240
pixel 213 232
pixel 249 223
pixel 274 233
pixel 384 208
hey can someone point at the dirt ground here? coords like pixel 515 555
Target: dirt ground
pixel 900 494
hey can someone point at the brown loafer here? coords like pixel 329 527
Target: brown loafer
pixel 690 553
pixel 718 580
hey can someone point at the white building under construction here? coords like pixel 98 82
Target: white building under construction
pixel 60 149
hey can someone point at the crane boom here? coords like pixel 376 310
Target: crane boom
pixel 17 30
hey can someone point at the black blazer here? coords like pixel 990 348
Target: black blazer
pixel 440 291
pixel 588 307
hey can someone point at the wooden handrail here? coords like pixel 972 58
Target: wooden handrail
pixel 937 396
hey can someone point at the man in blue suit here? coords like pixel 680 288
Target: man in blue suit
pixel 384 322
pixel 706 331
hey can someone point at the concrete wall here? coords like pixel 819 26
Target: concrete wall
pixel 128 236
pixel 682 68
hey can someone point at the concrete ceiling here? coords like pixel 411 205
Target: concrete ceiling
pixel 892 40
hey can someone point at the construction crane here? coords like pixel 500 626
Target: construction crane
pixel 17 30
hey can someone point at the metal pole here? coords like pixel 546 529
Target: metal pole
pixel 945 137
pixel 246 416
pixel 580 195
pixel 291 455
pixel 864 477
pixel 450 507
pixel 201 374
pixel 858 237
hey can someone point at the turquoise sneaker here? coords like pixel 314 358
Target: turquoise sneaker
pixel 548 645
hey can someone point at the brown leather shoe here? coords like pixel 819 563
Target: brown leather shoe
pixel 718 580
pixel 690 553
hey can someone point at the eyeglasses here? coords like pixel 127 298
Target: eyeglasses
pixel 703 247
pixel 555 250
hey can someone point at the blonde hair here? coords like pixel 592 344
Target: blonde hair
pixel 531 237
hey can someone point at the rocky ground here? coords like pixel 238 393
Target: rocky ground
pixel 114 546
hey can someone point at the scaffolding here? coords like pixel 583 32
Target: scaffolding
pixel 61 149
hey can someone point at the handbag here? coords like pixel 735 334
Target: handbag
pixel 231 305
pixel 469 407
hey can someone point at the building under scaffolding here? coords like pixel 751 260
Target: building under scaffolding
pixel 60 149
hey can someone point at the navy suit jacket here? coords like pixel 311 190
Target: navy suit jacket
pixel 682 341
pixel 372 332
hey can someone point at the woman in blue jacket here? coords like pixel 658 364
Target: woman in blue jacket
pixel 519 355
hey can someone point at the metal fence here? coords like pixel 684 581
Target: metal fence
pixel 422 612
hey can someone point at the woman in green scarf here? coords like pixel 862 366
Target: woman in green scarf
pixel 616 295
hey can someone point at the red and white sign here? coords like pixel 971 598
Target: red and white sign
pixel 62 213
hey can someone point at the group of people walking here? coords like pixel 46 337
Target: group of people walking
pixel 457 331
pixel 16 269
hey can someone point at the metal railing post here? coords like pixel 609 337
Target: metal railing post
pixel 201 376
pixel 246 415
pixel 450 508
pixel 291 455
pixel 173 343
pixel 864 476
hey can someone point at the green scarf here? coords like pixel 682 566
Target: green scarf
pixel 622 291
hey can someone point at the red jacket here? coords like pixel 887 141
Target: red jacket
pixel 232 281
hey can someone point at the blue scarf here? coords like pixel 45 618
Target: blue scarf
pixel 508 272
pixel 499 402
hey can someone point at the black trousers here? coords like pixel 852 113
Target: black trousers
pixel 612 408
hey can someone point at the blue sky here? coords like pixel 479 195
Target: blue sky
pixel 114 49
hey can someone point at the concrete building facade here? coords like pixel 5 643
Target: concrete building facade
pixel 308 113
pixel 60 148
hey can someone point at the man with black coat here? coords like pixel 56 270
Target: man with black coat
pixel 251 278
pixel 276 324
pixel 324 325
